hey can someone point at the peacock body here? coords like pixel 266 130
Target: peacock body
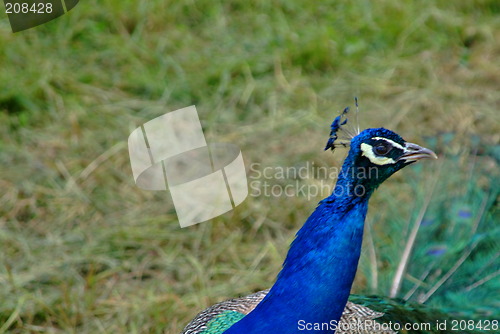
pixel 312 290
pixel 219 317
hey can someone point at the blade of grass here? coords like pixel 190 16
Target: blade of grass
pixel 400 271
pixel 373 257
pixel 460 261
pixel 448 274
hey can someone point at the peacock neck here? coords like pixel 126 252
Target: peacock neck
pixel 317 275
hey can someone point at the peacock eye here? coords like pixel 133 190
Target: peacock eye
pixel 382 149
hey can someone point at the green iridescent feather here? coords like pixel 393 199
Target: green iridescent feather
pixel 222 322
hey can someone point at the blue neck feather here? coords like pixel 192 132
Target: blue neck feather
pixel 319 269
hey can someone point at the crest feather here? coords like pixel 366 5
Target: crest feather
pixel 338 127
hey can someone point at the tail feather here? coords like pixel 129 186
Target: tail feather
pixel 407 317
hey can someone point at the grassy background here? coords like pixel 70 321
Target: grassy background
pixel 85 251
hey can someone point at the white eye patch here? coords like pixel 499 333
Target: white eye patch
pixel 393 143
pixel 368 152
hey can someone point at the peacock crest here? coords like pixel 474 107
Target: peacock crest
pixel 342 133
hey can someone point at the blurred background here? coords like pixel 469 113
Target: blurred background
pixel 83 250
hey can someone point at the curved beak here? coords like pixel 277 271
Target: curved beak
pixel 414 152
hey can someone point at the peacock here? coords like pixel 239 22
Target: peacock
pixel 311 292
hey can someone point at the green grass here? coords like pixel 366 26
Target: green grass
pixel 85 251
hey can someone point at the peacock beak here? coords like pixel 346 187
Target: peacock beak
pixel 414 152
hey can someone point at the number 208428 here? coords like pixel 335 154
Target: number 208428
pixel 25 8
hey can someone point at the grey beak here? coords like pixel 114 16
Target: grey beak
pixel 414 152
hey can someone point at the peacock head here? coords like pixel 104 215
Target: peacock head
pixel 381 152
pixel 374 155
